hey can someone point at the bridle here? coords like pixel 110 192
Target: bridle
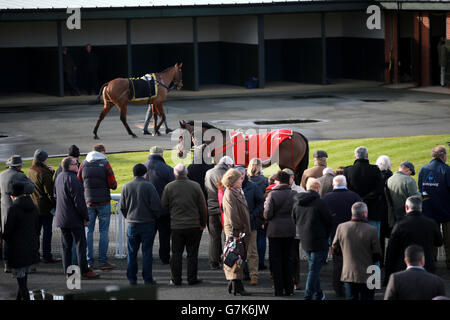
pixel 176 83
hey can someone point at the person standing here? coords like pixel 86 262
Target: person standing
pixel 212 177
pixel 140 205
pixel 90 68
pixel 98 178
pixel 70 73
pixel 434 185
pixel 236 222
pixel 73 151
pixel 357 242
pixel 42 176
pixel 198 168
pixel 255 175
pixel 414 283
pixel 21 235
pixel 365 179
pixel 160 174
pixel 400 186
pixel 255 202
pixel 8 177
pixel 71 215
pixel 187 206
pixel 320 163
pixel 292 184
pixel 281 233
pixel 326 181
pixel 340 202
pixel 413 229
pixel 442 57
pixel 313 224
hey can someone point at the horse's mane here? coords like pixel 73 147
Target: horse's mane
pixel 205 125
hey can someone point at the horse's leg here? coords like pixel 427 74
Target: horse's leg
pixel 123 118
pixel 148 117
pixel 168 130
pixel 106 107
pixel 155 121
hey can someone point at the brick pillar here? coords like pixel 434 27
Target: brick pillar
pixel 425 49
pixel 448 25
pixel 416 63
pixel 387 46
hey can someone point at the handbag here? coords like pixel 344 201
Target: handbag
pixel 234 253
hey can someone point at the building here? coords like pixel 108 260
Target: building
pixel 226 42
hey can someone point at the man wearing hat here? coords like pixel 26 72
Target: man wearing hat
pixel 401 186
pixel 43 197
pixel 140 205
pixel 7 178
pixel 294 187
pixel 160 174
pixel 320 163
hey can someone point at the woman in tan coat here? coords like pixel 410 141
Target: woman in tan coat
pixel 236 220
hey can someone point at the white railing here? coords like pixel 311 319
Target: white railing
pixel 119 228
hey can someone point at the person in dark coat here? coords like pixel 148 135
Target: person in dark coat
pixel 21 235
pixel 160 174
pixel 72 216
pixel 197 169
pixel 255 175
pixel 313 224
pixel 90 70
pixel 212 178
pixel 281 233
pixel 384 164
pixel 255 202
pixel 73 151
pixel 42 176
pixel 140 205
pixel 70 73
pixel 414 283
pixel 365 179
pixel 340 202
pixel 413 229
pixel 326 181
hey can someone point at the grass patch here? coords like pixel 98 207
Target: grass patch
pixel 416 149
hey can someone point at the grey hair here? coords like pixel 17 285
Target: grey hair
pixel 358 208
pixel 240 169
pixel 340 181
pixel 361 152
pixel 414 203
pixel 383 163
pixel 180 170
pixel 226 160
pixel 328 170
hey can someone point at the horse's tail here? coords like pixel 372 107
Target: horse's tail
pixel 99 97
pixel 303 165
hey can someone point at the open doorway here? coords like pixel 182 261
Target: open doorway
pixel 437 29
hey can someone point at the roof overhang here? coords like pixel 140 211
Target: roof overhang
pixel 415 5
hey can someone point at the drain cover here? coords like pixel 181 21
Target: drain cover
pixel 269 122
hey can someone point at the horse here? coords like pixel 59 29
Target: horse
pixel 292 153
pixel 116 92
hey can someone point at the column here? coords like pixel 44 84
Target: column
pixel 60 59
pixel 129 51
pixel 196 60
pixel 261 53
pixel 425 49
pixel 324 48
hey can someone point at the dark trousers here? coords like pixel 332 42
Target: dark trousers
pixel 280 250
pixel 45 224
pixel 358 291
pixel 261 243
pixel 338 285
pixel 163 229
pixel 215 240
pixel 92 82
pixel 70 82
pixel 4 251
pixel 189 239
pixel 67 238
pixel 295 254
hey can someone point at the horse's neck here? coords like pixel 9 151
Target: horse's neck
pixel 167 76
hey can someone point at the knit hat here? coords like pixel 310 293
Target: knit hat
pixel 230 177
pixel 282 176
pixel 74 151
pixel 14 161
pixel 16 189
pixel 40 155
pixel 157 150
pixel 410 166
pixel 288 171
pixel 139 170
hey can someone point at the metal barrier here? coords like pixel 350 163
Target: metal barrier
pixel 119 228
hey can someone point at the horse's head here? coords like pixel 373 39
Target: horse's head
pixel 178 76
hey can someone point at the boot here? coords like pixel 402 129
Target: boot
pixel 239 288
pixel 230 286
pixel 23 288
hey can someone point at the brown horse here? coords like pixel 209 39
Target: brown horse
pixel 292 153
pixel 116 92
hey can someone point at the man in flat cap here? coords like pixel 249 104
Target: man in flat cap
pixel 9 177
pixel 320 163
pixel 160 174
pixel 401 186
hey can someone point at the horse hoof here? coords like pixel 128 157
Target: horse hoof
pixel 169 131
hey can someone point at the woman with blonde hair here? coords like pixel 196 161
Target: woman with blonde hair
pixel 236 220
pixel 255 175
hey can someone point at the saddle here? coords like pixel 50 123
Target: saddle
pixel 143 88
